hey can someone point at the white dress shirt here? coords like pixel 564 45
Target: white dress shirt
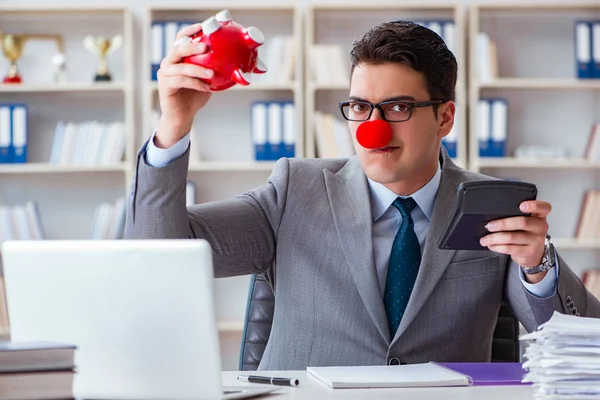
pixel 386 218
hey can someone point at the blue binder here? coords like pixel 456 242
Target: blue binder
pixel 18 153
pixel 583 49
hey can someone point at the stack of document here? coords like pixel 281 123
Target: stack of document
pixel 563 359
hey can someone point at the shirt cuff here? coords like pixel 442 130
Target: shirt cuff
pixel 157 157
pixel 544 288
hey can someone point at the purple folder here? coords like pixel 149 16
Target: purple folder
pixel 491 373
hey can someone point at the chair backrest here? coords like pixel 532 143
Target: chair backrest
pixel 259 318
pixel 257 326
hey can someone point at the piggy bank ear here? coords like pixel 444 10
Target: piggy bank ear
pixel 260 68
pixel 223 16
pixel 210 25
pixel 253 37
pixel 240 77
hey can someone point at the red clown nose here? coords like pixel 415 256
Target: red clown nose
pixel 374 134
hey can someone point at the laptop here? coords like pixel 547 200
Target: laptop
pixel 141 313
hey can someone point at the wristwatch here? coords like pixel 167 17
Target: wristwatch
pixel 548 259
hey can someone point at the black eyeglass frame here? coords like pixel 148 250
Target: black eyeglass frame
pixel 412 105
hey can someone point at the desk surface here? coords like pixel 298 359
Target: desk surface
pixel 312 389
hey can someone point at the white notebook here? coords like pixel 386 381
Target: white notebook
pixel 383 376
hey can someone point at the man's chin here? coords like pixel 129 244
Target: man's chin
pixel 382 175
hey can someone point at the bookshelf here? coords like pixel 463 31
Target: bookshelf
pixel 534 70
pixel 67 194
pixel 341 24
pixel 223 162
pixel 75 98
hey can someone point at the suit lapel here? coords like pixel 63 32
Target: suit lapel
pixel 434 260
pixel 351 208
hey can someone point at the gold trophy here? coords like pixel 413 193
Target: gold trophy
pixel 102 47
pixel 12 48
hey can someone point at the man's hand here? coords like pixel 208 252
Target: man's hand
pixel 523 238
pixel 181 90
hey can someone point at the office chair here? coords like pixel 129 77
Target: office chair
pixel 259 317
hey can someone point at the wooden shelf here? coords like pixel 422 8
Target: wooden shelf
pixel 87 11
pixel 383 6
pixel 230 326
pixel 293 86
pixel 269 6
pixel 314 86
pixel 576 244
pixel 45 168
pixel 524 6
pixel 540 83
pixel 512 162
pixel 250 166
pixel 63 87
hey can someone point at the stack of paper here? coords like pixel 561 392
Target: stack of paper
pixel 563 359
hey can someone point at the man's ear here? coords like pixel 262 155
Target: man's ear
pixel 446 117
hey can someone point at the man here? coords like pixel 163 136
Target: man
pixel 350 246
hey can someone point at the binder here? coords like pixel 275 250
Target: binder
pixel 19 134
pixel 190 193
pixel 449 35
pixel 596 49
pixel 258 122
pixel 483 128
pixel 170 35
pixel 157 44
pixel 499 127
pixel 5 133
pixel 274 130
pixel 450 141
pixel 289 130
pixel 435 26
pixel 583 49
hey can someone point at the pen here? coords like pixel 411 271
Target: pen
pixel 269 380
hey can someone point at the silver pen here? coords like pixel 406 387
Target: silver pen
pixel 268 380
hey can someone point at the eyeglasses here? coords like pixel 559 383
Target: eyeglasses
pixel 391 110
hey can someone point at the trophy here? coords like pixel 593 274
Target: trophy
pixel 102 47
pixel 12 48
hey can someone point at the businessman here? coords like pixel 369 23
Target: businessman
pixel 350 245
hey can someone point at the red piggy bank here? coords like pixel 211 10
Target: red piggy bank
pixel 232 51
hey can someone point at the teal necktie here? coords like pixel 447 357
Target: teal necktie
pixel 403 266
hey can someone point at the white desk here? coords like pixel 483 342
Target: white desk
pixel 312 389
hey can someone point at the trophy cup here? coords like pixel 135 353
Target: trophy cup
pixel 102 47
pixel 12 48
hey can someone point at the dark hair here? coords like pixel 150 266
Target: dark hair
pixel 414 45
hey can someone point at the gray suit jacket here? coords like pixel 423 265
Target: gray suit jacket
pixel 309 231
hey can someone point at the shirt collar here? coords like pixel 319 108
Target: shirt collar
pixel 382 197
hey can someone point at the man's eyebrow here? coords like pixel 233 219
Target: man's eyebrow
pixel 395 98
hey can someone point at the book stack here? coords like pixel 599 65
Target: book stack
pixel 109 220
pixel 563 359
pixel 88 143
pixel 332 137
pixel 36 370
pixel 21 222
